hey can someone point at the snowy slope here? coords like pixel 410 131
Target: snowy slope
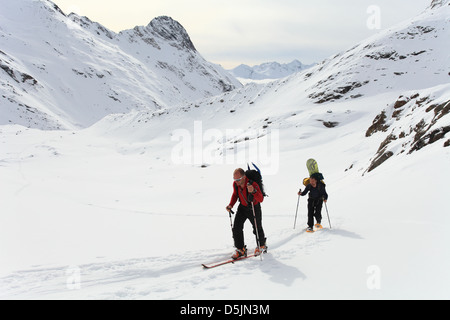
pixel 269 70
pixel 60 72
pixel 130 207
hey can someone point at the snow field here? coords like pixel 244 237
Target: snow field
pixel 132 226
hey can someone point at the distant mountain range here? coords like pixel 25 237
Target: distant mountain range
pixel 269 70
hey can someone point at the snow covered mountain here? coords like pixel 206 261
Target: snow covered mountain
pixel 409 60
pixel 269 70
pixel 130 207
pixel 60 72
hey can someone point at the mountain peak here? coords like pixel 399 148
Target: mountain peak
pixel 169 29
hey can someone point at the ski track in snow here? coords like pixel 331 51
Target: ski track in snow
pixel 156 277
pixel 41 282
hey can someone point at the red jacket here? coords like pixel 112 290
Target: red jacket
pixel 243 194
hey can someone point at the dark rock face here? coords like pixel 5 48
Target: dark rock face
pixel 171 30
pixel 439 3
pixel 410 124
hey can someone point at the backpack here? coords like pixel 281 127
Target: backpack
pixel 305 181
pixel 255 176
pixel 318 176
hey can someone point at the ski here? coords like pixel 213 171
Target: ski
pixel 216 264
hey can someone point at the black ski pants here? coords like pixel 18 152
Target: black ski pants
pixel 314 211
pixel 243 213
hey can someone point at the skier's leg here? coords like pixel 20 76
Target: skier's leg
pixel 258 215
pixel 238 227
pixel 310 213
pixel 318 211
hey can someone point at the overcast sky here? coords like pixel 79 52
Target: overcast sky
pixel 231 32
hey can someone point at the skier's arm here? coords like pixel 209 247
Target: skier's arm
pixel 257 193
pixel 234 198
pixel 306 190
pixel 325 194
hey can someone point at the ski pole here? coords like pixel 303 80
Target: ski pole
pixel 231 222
pixel 328 215
pixel 257 233
pixel 296 211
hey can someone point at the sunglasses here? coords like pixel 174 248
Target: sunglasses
pixel 238 179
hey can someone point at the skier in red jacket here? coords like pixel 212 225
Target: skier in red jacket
pixel 247 192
